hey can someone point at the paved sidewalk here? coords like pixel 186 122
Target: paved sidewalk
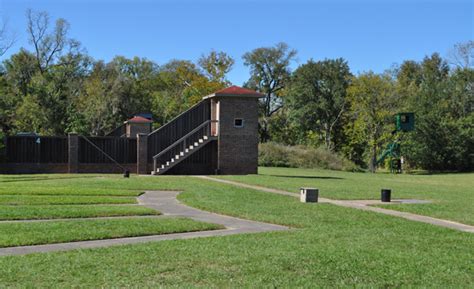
pixel 169 206
pixel 362 205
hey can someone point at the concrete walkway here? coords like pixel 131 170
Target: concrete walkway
pixel 366 205
pixel 166 203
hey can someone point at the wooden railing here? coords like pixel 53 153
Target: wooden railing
pixel 179 147
pixel 178 127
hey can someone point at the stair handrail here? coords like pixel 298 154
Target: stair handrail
pixel 182 139
pixel 176 117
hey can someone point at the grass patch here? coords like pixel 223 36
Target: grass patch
pixel 63 200
pixel 21 234
pixel 48 190
pixel 71 211
pixel 452 194
pixel 333 247
pixel 54 184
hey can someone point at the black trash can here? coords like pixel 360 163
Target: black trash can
pixel 126 174
pixel 386 195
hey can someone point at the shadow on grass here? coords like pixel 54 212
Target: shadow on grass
pixel 305 177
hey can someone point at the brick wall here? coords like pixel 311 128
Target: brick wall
pixel 238 147
pixel 33 168
pixel 132 129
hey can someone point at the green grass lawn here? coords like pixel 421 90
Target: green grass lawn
pixel 46 189
pixel 53 196
pixel 63 200
pixel 55 184
pixel 330 246
pixel 452 194
pixel 71 211
pixel 35 233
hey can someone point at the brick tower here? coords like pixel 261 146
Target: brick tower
pixel 236 111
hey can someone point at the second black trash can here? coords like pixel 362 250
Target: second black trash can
pixel 386 195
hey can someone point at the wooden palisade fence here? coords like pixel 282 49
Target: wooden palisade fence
pixel 24 154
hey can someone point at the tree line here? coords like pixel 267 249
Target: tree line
pixel 54 87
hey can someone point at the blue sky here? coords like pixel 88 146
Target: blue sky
pixel 370 35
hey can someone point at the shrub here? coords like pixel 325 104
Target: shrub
pixel 277 155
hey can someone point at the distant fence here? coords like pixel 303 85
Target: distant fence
pixel 36 149
pixel 122 150
pixel 53 149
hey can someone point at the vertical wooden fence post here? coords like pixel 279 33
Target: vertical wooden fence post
pixel 73 153
pixel 142 153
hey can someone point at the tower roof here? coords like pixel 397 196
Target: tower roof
pixel 235 91
pixel 139 119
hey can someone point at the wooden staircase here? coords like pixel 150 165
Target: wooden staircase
pixel 183 148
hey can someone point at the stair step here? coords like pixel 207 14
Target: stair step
pixel 188 150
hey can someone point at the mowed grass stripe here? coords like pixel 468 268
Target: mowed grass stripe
pixel 31 188
pixel 22 234
pixel 63 200
pixel 71 211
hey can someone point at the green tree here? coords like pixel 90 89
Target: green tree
pixel 19 69
pixel 373 104
pixel 16 75
pixel 46 78
pixel 461 93
pixel 216 65
pixel 269 74
pixel 442 102
pixel 30 117
pixel 112 93
pixel 424 147
pixel 317 97
pixel 180 85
